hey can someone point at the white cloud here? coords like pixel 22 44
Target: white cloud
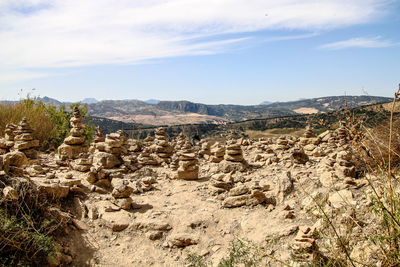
pixel 67 33
pixel 360 42
pixel 20 75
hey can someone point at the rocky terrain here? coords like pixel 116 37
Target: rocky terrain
pixel 153 202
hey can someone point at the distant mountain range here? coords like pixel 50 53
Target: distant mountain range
pixel 186 112
pixel 156 112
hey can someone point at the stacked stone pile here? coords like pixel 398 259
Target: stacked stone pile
pixel 217 153
pixel 98 139
pixel 134 145
pixel 148 141
pixel 188 163
pixel 23 140
pixel 205 150
pixel 344 166
pixel 124 142
pixel 99 135
pixel 146 158
pixel 180 141
pixel 83 163
pixel 7 142
pixel 233 151
pixel 161 146
pixel 282 143
pixel 309 137
pixel 343 134
pixel 304 245
pixel 174 165
pixel 74 144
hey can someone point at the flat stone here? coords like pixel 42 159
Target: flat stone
pixel 72 140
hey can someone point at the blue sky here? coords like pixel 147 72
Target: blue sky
pixel 225 51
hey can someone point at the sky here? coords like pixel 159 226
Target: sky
pixel 207 51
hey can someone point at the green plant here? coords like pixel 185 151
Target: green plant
pixel 241 253
pixel 195 260
pixel 26 226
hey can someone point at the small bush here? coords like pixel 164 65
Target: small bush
pixel 26 226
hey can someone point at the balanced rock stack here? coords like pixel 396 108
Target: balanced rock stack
pixel 74 144
pixel 344 166
pixel 124 142
pixel 146 158
pixel 161 147
pixel 134 145
pixel 7 142
pixel 188 163
pixel 205 150
pixel 343 133
pixel 99 135
pixel 281 143
pixel 180 141
pixel 233 151
pixel 83 163
pixel 99 138
pixel 174 165
pixel 148 141
pixel 217 153
pixel 23 140
pixel 308 136
pixel 108 153
pixel 304 246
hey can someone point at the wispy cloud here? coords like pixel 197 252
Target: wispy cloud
pixel 20 75
pixel 360 42
pixel 68 33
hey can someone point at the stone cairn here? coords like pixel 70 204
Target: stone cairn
pixel 205 150
pixel 188 163
pixel 23 140
pixel 342 134
pixel 161 147
pixel 179 143
pixel 74 144
pixel 134 145
pixel 344 166
pixel 83 163
pixel 217 153
pixel 307 137
pixel 146 158
pixel 233 151
pixel 99 138
pixel 99 135
pixel 107 156
pixel 148 141
pixel 124 142
pixel 282 143
pixel 304 246
pixel 7 142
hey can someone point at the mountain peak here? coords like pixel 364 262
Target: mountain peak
pixel 90 101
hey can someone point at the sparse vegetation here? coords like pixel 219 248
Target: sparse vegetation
pixel 27 226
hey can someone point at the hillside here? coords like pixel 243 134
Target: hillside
pixel 155 112
pixel 183 112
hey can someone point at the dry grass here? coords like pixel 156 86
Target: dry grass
pixel 27 225
pixel 252 134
